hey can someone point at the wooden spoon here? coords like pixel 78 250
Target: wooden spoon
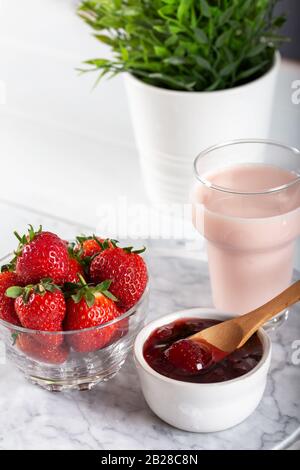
pixel 233 334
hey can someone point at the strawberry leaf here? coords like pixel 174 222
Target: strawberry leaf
pixel 105 285
pixel 25 239
pixel 14 338
pixel 110 296
pixel 83 238
pixel 89 298
pixel 14 292
pixel 77 297
pixel 129 249
pixel 9 266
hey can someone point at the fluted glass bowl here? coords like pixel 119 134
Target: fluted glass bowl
pixel 32 351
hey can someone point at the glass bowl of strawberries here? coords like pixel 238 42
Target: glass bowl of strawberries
pixel 70 311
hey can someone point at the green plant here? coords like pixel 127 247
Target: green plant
pixel 190 45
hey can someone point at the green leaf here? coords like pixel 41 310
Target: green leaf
pixel 77 297
pixel 161 29
pixel 14 338
pixel 223 39
pixel 106 244
pixel 254 51
pixel 130 11
pixel 228 69
pixel 174 29
pixel 105 285
pixel 252 71
pixel 125 55
pixel 174 60
pixel 200 36
pixel 14 292
pixel 205 8
pixel 181 44
pixel 11 266
pixel 226 15
pixel 104 39
pixel 139 251
pixel 97 62
pixel 89 298
pixel 110 296
pixel 203 63
pixel 173 81
pixel 166 10
pixel 161 51
pixel 214 85
pixel 171 41
pixel 194 19
pixel 279 21
pixel 183 9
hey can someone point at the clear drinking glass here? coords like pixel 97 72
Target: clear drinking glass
pixel 246 203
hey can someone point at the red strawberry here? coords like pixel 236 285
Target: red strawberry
pixel 7 308
pixel 88 247
pixel 74 268
pixel 41 255
pixel 41 307
pixel 51 338
pixel 188 356
pixel 127 270
pixel 28 344
pixel 90 307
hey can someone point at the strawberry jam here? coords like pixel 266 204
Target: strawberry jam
pixel 169 353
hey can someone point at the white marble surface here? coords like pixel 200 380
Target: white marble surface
pixel 115 415
pixel 63 149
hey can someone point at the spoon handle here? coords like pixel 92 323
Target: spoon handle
pixel 250 322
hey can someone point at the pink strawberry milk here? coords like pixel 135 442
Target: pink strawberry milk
pixel 249 215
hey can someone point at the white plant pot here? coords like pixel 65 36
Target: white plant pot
pixel 172 127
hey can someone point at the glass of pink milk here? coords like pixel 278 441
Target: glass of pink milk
pixel 246 203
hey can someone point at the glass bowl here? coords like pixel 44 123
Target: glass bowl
pixel 52 360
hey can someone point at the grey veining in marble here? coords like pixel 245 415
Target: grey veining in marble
pixel 115 415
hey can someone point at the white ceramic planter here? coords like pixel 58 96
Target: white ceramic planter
pixel 172 127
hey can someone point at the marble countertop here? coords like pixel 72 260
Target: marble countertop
pixel 52 121
pixel 114 415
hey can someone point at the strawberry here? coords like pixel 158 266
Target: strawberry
pixel 127 270
pixel 41 255
pixel 90 307
pixel 7 308
pixel 88 247
pixel 50 354
pixel 40 307
pixel 188 356
pixel 74 268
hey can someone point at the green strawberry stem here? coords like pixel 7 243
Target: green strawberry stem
pixel 129 249
pixel 18 236
pixel 82 280
pixel 25 239
pixel 87 292
pixel 46 285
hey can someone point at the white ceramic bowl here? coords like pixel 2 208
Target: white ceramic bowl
pixel 201 407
